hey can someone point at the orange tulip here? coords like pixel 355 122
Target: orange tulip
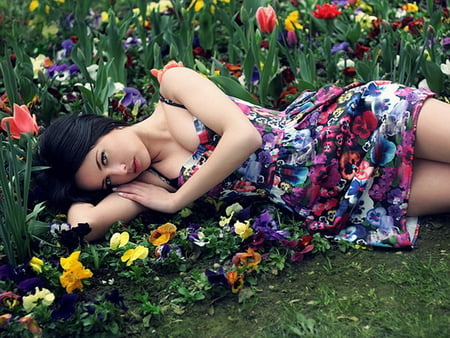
pixel 21 122
pixel 266 18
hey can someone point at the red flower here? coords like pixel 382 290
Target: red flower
pixel 360 50
pixel 326 11
pixel 21 122
pixel 266 18
pixel 365 124
pixel 349 71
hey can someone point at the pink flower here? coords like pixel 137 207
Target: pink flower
pixel 266 18
pixel 21 122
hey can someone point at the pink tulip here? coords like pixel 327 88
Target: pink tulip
pixel 21 122
pixel 266 18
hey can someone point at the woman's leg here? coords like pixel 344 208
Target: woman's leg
pixel 430 189
pixel 433 132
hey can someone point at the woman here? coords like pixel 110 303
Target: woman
pixel 354 162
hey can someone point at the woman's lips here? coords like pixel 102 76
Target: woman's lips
pixel 137 166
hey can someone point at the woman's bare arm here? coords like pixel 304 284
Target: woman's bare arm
pixel 100 217
pixel 205 101
pixel 111 209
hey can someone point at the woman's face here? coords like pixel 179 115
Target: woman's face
pixel 117 158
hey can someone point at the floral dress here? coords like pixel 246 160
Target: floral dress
pixel 341 158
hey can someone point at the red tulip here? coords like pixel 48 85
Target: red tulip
pixel 326 11
pixel 21 122
pixel 266 18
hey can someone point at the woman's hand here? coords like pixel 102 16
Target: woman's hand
pixel 150 196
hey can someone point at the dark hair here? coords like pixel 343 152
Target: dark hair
pixel 62 147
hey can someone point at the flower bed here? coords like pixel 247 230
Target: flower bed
pixel 62 58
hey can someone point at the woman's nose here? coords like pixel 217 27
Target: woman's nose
pixel 119 169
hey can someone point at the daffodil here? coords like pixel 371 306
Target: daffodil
pixel 163 234
pixel 140 252
pixel 74 272
pixel 243 229
pixel 36 264
pixel 41 297
pixel 119 240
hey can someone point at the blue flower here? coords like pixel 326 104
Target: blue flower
pixel 217 278
pixel 66 307
pixel 344 46
pixel 132 96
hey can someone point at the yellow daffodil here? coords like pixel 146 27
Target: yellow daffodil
pixel 140 252
pixel 411 7
pixel 74 272
pixel 243 229
pixel 118 240
pixel 291 23
pixel 41 296
pixel 36 264
pixel 163 234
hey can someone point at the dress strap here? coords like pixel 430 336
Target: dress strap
pixel 170 102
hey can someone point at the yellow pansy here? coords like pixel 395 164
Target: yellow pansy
pixel 291 22
pixel 41 296
pixel 365 20
pixel 74 272
pixel 34 4
pixel 118 240
pixel 140 252
pixel 411 7
pixel 163 234
pixel 36 264
pixel 225 220
pixel 199 4
pixel 243 229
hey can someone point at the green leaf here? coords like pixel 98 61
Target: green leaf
pixel 233 88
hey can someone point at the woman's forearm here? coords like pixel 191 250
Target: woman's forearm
pixel 230 153
pixel 100 217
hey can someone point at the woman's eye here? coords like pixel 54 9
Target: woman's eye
pixel 104 158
